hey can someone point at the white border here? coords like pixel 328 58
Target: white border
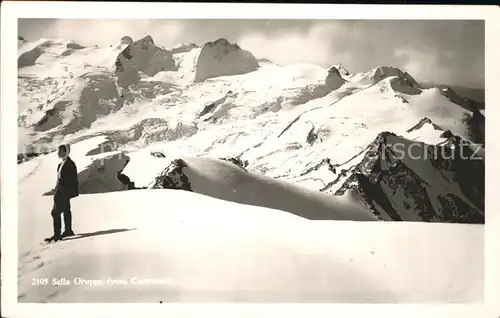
pixel 11 11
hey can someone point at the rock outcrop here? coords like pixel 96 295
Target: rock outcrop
pixel 173 177
pixel 237 161
pixel 183 47
pixel 142 56
pixel 342 70
pixel 334 80
pixel 382 72
pixel 438 183
pixel 477 127
pixel 221 58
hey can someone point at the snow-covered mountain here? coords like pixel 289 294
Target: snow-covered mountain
pixel 321 130
pixel 179 148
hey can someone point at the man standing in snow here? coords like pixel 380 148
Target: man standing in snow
pixel 66 189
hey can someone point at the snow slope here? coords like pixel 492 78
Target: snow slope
pixel 224 180
pixel 177 246
pixel 272 255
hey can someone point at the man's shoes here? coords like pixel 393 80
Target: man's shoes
pixel 68 233
pixel 54 238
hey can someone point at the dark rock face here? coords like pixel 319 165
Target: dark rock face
pixel 158 154
pixel 222 42
pixel 221 58
pixel 475 121
pixel 447 134
pixel 207 109
pixel 452 96
pixel 124 179
pixel 333 80
pixel 455 209
pixel 442 183
pixel 477 127
pixel 237 161
pixel 126 40
pixel 173 177
pixel 401 176
pixel 51 118
pixel 142 56
pixel 370 189
pixel 467 167
pixel 422 122
pixel 339 70
pixel 126 53
pixel 334 70
pixel 312 136
pixel 184 47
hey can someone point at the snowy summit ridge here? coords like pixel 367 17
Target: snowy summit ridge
pixel 142 57
pixel 141 107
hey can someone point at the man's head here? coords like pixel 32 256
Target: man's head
pixel 63 151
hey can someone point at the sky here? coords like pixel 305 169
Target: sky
pixel 447 52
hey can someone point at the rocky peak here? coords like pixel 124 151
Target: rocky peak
pixel 333 70
pixel 334 80
pixel 221 58
pixel 341 69
pixel 422 122
pixel 477 127
pixel 223 42
pixel 408 188
pixel 126 40
pixel 141 58
pixel 183 47
pixel 145 42
pixel 173 177
pixel 237 161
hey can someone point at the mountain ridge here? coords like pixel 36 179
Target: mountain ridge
pixel 218 100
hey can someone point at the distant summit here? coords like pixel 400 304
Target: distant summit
pixel 474 95
pixel 334 78
pixel 126 40
pixel 221 58
pixel 32 51
pixel 183 47
pixel 341 69
pixel 381 72
pixel 123 43
pixel 142 56
pixel 146 41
